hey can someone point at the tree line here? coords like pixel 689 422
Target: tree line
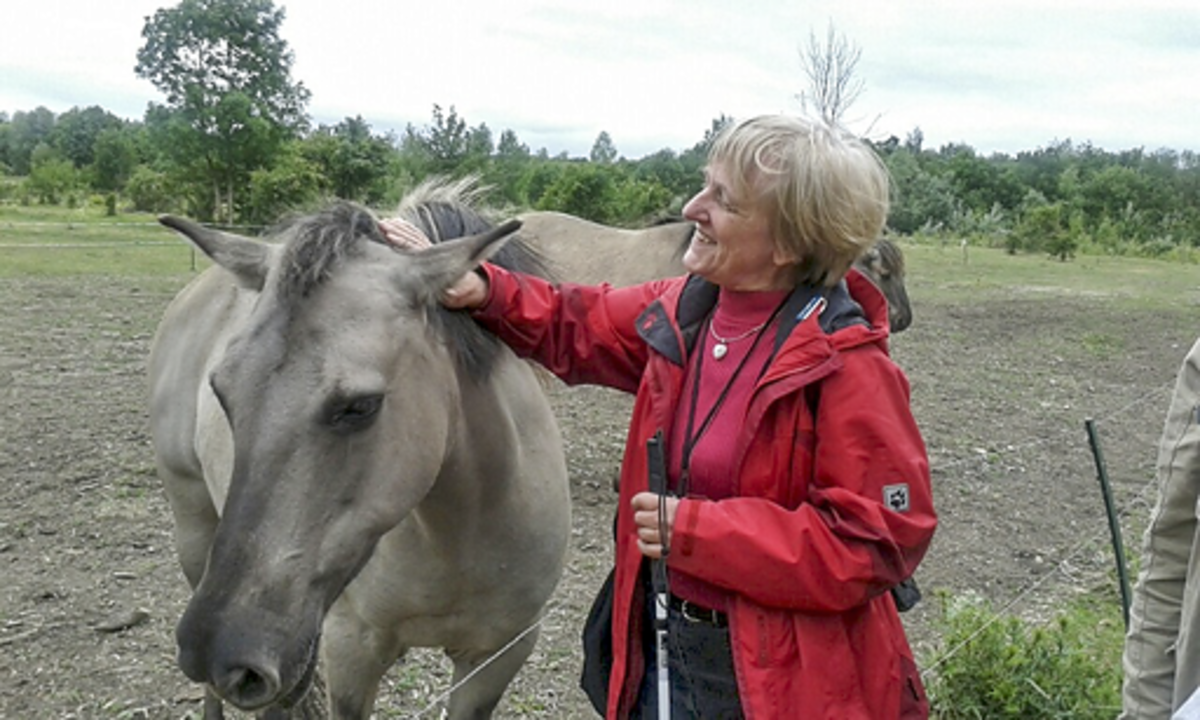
pixel 233 143
pixel 149 165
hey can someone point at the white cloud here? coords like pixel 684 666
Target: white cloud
pixel 1000 76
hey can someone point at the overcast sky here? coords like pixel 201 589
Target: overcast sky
pixel 1000 76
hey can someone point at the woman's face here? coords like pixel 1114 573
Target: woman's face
pixel 732 246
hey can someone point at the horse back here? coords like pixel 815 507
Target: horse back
pixel 587 253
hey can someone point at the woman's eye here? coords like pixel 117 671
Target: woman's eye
pixel 721 195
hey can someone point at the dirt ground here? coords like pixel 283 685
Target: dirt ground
pixel 90 591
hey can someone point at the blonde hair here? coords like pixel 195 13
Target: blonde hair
pixel 824 190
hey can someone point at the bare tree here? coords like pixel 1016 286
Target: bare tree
pixel 829 67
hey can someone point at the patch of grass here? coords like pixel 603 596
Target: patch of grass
pixel 527 706
pixel 1102 345
pixel 87 217
pixel 45 241
pixel 946 273
pixel 1002 667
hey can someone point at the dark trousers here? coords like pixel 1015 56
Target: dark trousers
pixel 700 671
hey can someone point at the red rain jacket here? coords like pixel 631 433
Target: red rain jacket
pixel 809 547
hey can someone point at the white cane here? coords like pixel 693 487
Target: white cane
pixel 660 634
pixel 658 573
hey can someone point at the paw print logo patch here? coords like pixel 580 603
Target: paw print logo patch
pixel 896 497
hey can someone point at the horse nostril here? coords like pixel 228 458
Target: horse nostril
pixel 247 688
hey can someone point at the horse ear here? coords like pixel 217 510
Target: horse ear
pixel 441 265
pixel 247 259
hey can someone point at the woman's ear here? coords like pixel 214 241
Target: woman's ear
pixel 784 256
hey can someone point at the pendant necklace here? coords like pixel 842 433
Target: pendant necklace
pixel 691 435
pixel 721 348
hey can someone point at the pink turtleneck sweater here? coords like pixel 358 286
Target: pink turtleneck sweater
pixel 710 470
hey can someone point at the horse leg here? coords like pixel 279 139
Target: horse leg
pixel 356 656
pixel 476 699
pixel 213 710
pixel 195 524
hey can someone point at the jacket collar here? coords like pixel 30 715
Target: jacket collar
pixel 695 298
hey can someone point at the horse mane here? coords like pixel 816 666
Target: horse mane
pixel 445 209
pixel 316 244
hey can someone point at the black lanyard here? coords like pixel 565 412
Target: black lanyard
pixel 692 434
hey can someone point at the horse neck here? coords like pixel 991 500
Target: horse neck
pixel 668 243
pixel 478 467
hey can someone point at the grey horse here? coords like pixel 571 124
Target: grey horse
pixel 353 470
pixel 585 252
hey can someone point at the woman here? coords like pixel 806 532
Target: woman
pixel 799 483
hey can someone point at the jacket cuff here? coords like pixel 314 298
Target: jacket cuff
pixel 683 534
pixel 491 274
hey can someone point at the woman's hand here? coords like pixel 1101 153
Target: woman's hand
pixel 468 292
pixel 645 519
pixel 404 234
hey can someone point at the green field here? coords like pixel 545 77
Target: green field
pixel 57 242
pixel 942 273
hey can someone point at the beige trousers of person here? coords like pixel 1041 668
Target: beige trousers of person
pixel 1161 662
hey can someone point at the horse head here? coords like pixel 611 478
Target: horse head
pixel 339 394
pixel 884 265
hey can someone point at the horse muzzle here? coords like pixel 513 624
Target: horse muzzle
pixel 247 663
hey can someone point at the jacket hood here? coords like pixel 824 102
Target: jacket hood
pixel 851 313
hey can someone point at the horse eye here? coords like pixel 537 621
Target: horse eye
pixel 352 414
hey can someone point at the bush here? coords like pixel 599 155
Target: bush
pixel 1003 667
pixel 10 188
pixel 605 194
pixel 293 183
pixel 1157 248
pixel 148 190
pixel 51 180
